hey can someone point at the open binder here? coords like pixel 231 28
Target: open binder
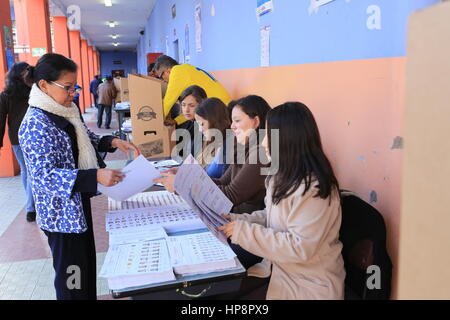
pixel 160 241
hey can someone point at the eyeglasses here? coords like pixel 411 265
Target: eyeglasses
pixel 69 89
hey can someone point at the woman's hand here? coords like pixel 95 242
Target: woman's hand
pixel 226 216
pixel 168 179
pixel 125 146
pixel 108 177
pixel 228 229
pixel 169 122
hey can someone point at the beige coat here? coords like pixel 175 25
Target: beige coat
pixel 299 237
pixel 106 92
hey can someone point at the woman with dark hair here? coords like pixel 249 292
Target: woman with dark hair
pixel 189 100
pixel 213 121
pixel 243 182
pixel 65 168
pixel 298 232
pixel 13 106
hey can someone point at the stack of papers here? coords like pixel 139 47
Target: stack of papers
pixel 122 105
pixel 146 200
pixel 203 195
pixel 199 253
pixel 126 124
pixel 171 218
pixel 137 264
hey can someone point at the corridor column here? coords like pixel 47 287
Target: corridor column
pixel 85 70
pixel 91 72
pixel 61 36
pixel 8 164
pixel 33 28
pixel 75 55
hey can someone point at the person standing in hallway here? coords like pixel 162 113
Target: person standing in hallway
pixel 106 93
pixel 93 89
pixel 181 76
pixel 13 106
pixel 65 169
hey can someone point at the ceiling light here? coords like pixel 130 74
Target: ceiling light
pixel 115 44
pixel 114 36
pixel 108 3
pixel 112 24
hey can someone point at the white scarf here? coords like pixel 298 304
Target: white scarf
pixel 87 158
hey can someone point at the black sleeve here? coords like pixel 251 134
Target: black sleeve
pixel 105 144
pixel 86 181
pixel 3 115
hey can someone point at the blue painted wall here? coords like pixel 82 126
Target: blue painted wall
pixel 231 38
pixel 128 58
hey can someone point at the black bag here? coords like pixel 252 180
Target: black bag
pixel 363 235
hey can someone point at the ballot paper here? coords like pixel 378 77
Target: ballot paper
pixel 136 234
pixel 146 200
pixel 139 175
pixel 199 253
pixel 203 195
pixel 171 218
pixel 136 264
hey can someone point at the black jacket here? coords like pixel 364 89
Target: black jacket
pixel 13 109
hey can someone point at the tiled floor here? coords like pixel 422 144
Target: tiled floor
pixel 26 271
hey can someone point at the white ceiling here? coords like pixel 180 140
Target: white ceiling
pixel 131 16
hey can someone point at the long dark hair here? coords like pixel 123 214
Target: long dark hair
pixel 253 106
pixel 15 85
pixel 49 68
pixel 301 157
pixel 216 113
pixel 197 92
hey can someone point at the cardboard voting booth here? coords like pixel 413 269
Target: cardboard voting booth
pixel 121 85
pixel 424 273
pixel 150 134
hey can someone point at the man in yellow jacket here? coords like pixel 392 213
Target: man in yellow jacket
pixel 179 77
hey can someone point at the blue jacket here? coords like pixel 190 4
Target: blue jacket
pixel 52 171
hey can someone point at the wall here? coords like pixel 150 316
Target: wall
pixel 425 238
pixel 346 62
pixel 128 58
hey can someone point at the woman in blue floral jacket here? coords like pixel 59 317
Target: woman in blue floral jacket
pixel 63 163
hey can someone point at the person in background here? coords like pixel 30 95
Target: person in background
pixel 106 93
pixel 297 233
pixel 93 86
pixel 179 77
pixel 65 169
pixel 13 106
pixel 76 98
pixel 150 71
pixel 212 115
pixel 189 100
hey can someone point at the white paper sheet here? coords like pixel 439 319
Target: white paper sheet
pixel 146 200
pixel 265 46
pixel 171 218
pixel 136 234
pixel 203 195
pixel 139 175
pixel 199 253
pixel 198 27
pixel 136 259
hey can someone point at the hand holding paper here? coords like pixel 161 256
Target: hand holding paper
pixel 139 175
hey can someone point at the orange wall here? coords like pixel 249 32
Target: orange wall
pixel 8 163
pixel 61 36
pixel 359 108
pixel 85 70
pixel 33 27
pixel 75 55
